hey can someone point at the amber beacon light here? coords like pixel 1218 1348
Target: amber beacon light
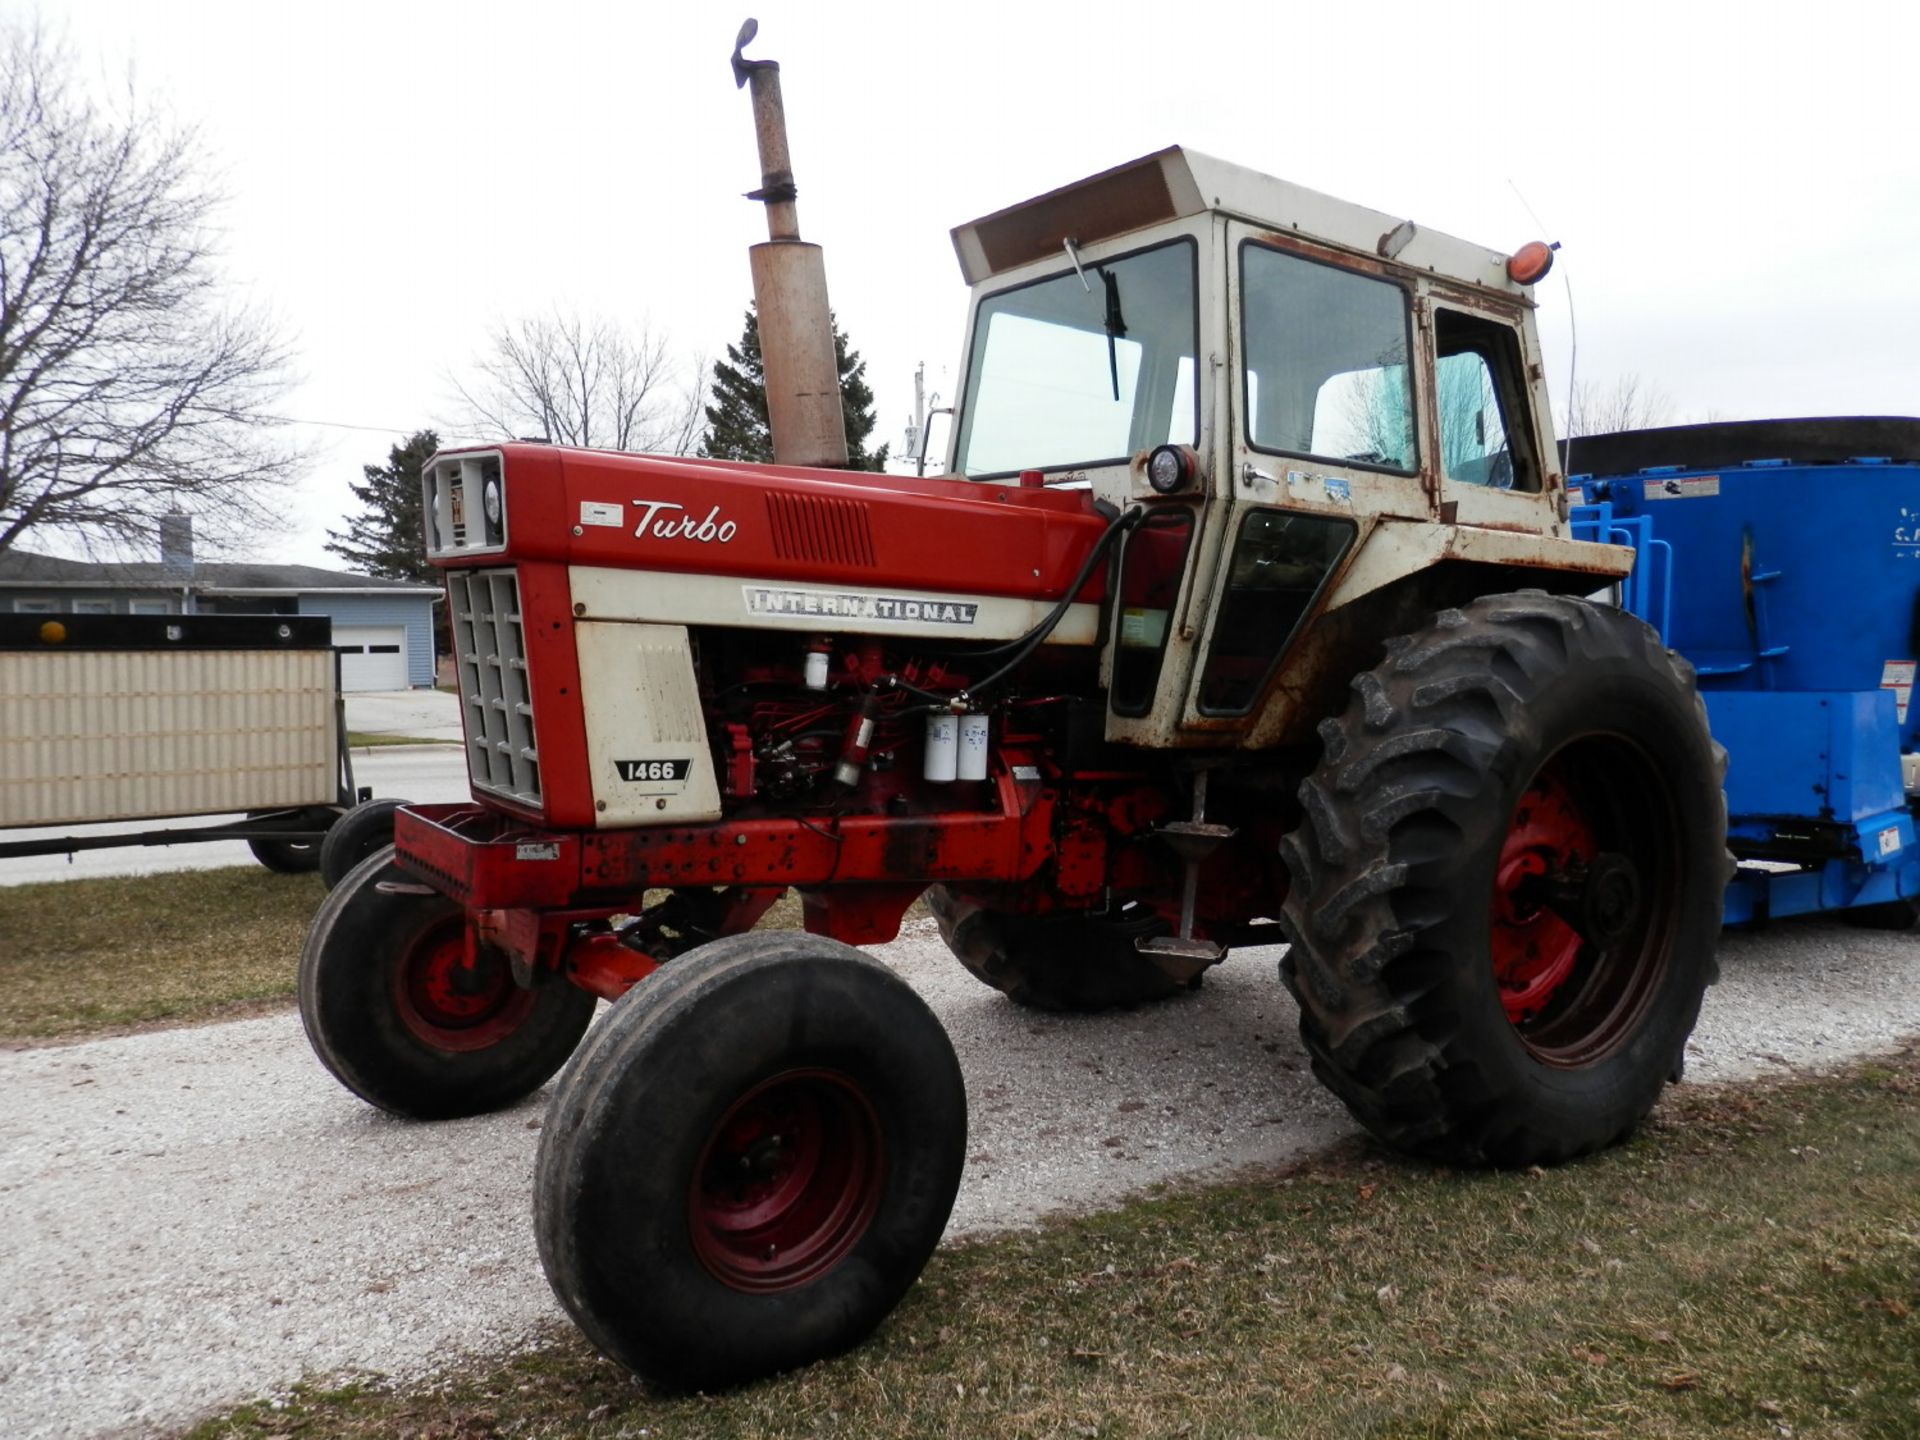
pixel 1530 263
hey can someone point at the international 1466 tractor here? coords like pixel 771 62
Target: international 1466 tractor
pixel 1246 611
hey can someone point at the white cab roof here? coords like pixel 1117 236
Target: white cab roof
pixel 1175 183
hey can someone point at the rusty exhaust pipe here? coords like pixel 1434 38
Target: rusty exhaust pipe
pixel 790 290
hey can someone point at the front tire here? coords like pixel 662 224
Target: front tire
pixel 1065 962
pixel 1507 888
pixel 392 1010
pixel 750 1162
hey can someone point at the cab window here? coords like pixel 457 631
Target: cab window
pixel 1084 368
pixel 1151 567
pixel 1477 388
pixel 1325 371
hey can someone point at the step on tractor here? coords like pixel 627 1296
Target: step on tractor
pixel 1248 609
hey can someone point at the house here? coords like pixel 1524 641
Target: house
pixel 382 629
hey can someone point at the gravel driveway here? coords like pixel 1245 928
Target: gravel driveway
pixel 197 1217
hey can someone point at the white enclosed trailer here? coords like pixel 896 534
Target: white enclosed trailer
pixel 112 718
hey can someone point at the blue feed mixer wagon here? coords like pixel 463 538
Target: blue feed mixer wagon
pixel 1782 557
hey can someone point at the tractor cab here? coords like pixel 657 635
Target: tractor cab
pixel 1310 400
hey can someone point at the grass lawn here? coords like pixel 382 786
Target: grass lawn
pixel 88 957
pixel 363 740
pixel 1749 1266
pixel 81 957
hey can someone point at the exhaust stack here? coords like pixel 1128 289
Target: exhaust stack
pixel 790 291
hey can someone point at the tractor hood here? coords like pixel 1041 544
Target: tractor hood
pixel 531 502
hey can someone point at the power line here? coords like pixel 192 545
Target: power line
pixel 375 429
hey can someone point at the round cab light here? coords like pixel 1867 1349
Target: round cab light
pixel 490 501
pixel 1530 263
pixel 52 632
pixel 1169 468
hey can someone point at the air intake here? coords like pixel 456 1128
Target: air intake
pixel 819 528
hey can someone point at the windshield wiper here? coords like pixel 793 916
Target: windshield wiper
pixel 1116 325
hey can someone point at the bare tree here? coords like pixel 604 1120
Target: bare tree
pixel 588 383
pixel 126 388
pixel 1629 403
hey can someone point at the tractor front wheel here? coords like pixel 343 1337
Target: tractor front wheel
pixel 393 1008
pixel 750 1161
pixel 1507 888
pixel 1063 962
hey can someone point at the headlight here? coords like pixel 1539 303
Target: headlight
pixel 1169 468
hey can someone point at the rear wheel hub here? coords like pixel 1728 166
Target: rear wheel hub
pixel 1534 949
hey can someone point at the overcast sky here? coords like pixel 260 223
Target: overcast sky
pixel 1737 186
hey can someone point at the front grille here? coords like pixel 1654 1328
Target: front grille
pixel 489 644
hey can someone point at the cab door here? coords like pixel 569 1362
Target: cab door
pixel 1327 380
pixel 1493 450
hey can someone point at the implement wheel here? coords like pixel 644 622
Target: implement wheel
pixel 394 1011
pixel 750 1161
pixel 1056 962
pixel 1508 885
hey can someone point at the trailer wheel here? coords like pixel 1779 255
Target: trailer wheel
pixel 287 857
pixel 1056 962
pixel 750 1162
pixel 363 831
pixel 1507 888
pixel 392 1009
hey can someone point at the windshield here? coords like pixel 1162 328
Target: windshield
pixel 1072 373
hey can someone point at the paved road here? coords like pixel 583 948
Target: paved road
pixel 428 773
pixel 197 1217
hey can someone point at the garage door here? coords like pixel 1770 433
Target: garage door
pixel 372 657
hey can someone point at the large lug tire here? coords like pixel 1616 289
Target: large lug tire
pixel 394 1013
pixel 1507 888
pixel 1056 962
pixel 363 831
pixel 750 1161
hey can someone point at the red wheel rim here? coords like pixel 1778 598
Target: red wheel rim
pixel 1535 952
pixel 445 1004
pixel 788 1181
pixel 1601 818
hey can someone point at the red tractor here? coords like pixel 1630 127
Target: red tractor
pixel 1246 611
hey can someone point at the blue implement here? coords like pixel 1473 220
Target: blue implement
pixel 1791 581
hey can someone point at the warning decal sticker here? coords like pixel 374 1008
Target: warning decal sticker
pixel 1897 676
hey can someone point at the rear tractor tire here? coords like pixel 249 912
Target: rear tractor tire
pixel 1507 887
pixel 750 1161
pixel 1056 962
pixel 394 1012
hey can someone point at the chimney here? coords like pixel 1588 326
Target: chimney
pixel 176 545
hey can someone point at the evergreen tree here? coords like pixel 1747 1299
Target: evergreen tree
pixel 386 538
pixel 737 419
